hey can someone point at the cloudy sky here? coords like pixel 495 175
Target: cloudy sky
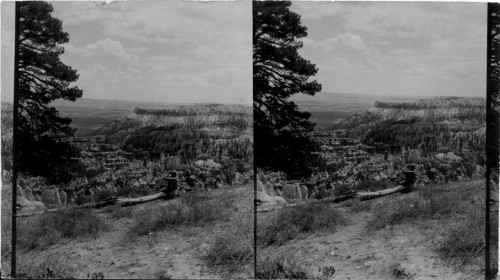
pixel 397 48
pixel 152 51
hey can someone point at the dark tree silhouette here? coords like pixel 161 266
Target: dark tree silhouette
pixel 492 139
pixel 278 73
pixel 42 78
pixel 493 95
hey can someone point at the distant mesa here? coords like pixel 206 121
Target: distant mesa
pixel 435 103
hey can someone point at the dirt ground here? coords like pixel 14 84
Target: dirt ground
pixel 397 252
pixel 173 253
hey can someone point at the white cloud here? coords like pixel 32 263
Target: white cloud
pixel 343 42
pixel 397 48
pixel 112 47
pixel 350 40
pixel 107 46
pixel 162 58
pixel 169 51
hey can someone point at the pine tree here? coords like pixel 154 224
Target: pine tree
pixel 43 78
pixel 282 131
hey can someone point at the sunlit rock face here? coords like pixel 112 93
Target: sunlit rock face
pixel 304 192
pixel 57 198
pixel 20 192
pixel 29 194
pixel 29 205
pixel 63 198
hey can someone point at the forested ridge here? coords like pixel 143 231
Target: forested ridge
pixel 195 131
pixel 189 143
pixel 432 125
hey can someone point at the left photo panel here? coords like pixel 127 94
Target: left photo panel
pixel 127 140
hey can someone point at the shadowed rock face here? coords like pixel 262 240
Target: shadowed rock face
pixel 48 198
pixel 291 192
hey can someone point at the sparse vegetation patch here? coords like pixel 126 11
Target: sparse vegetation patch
pixel 43 269
pixel 462 239
pixel 6 222
pixel 459 205
pixel 280 269
pixel 42 231
pixel 285 268
pixel 301 219
pixel 194 209
pixel 357 206
pixel 431 202
pixel 118 212
pixel 232 248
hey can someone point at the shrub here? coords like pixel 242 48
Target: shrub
pixel 323 193
pixel 357 206
pixel 397 211
pixel 229 248
pixel 399 272
pixel 47 229
pixel 46 269
pixel 464 237
pixel 118 212
pixel 157 218
pixel 280 269
pixel 163 275
pixel 233 247
pixel 206 209
pixel 283 268
pixel 102 195
pixel 301 219
pixel 82 199
pixel 95 275
pixel 430 202
pixel 341 189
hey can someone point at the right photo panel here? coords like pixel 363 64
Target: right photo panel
pixel 370 135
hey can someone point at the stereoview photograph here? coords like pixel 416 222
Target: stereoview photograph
pixel 134 139
pixel 370 123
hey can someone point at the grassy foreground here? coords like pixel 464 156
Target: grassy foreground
pixel 452 214
pixel 221 217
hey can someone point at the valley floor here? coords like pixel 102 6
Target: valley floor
pixel 177 253
pixel 405 251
